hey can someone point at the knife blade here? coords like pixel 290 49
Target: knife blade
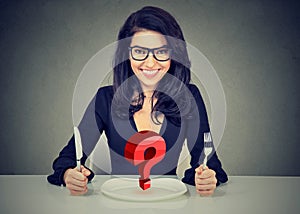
pixel 78 146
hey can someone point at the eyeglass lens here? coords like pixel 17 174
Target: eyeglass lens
pixel 140 53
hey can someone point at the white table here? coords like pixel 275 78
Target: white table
pixel 242 194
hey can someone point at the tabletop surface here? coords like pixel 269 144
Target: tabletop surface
pixel 242 194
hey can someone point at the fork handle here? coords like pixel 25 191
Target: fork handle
pixel 204 163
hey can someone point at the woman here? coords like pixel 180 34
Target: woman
pixel 151 91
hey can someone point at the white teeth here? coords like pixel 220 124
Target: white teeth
pixel 149 71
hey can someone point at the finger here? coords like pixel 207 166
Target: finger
pixel 85 171
pixel 75 174
pixel 205 192
pixel 73 187
pixel 206 182
pixel 76 186
pixel 199 181
pixel 207 174
pixel 73 181
pixel 207 177
pixel 199 169
pixel 76 193
pixel 76 182
pixel 205 186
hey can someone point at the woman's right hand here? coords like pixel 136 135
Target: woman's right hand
pixel 76 181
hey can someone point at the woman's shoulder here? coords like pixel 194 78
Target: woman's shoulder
pixel 105 91
pixel 106 88
pixel 193 89
pixel 192 86
pixel 104 95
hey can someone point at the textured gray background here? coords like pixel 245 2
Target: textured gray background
pixel 253 46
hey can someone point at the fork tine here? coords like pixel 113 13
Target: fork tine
pixel 208 147
pixel 207 137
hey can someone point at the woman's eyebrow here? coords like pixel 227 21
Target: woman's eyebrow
pixel 163 46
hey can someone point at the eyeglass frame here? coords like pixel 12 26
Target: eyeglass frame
pixel 150 50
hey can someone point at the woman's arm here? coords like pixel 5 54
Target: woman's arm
pixel 66 159
pixel 196 147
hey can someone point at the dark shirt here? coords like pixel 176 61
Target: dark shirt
pixel 97 118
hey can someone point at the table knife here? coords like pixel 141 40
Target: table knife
pixel 78 147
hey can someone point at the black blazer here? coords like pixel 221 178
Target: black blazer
pixel 97 118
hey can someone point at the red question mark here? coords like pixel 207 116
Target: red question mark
pixel 145 149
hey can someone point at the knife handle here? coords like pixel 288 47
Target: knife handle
pixel 79 165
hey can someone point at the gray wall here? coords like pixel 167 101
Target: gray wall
pixel 253 46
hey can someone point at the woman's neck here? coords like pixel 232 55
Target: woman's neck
pixel 148 94
pixel 148 90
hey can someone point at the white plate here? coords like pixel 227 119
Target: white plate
pixel 129 190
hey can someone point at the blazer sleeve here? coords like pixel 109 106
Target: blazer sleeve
pixel 195 143
pixel 90 131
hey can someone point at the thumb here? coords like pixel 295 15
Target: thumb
pixel 85 171
pixel 200 169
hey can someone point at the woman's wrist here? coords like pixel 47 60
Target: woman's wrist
pixel 65 175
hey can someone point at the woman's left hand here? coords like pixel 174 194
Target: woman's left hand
pixel 205 181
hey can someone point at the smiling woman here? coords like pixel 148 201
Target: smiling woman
pixel 148 69
pixel 151 91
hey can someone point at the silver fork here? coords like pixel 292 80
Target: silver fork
pixel 208 147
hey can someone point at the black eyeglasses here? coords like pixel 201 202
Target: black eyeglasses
pixel 160 54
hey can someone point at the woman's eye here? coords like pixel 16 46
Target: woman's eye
pixel 162 51
pixel 139 51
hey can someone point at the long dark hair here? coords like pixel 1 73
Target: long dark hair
pixel 171 95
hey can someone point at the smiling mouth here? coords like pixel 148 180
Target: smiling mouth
pixel 150 73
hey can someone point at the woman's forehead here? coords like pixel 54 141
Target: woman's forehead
pixel 149 39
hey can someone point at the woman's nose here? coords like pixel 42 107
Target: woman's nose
pixel 150 61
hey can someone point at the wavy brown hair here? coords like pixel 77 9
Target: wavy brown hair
pixel 169 94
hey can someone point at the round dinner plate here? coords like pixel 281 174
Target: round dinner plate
pixel 128 189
